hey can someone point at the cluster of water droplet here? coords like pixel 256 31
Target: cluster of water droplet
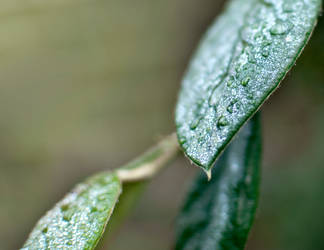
pixel 79 219
pixel 236 68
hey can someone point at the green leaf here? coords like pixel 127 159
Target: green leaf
pixel 218 214
pixel 79 220
pixel 239 63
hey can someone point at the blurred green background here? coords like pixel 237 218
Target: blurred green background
pixel 87 85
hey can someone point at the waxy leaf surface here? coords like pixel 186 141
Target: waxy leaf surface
pixel 218 214
pixel 239 63
pixel 79 220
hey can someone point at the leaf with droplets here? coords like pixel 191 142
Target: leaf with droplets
pixel 218 214
pixel 135 177
pixel 79 220
pixel 239 63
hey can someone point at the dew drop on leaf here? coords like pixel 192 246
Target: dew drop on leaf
pixel 194 124
pixel 94 209
pixel 267 2
pixel 229 83
pixel 67 215
pixel 101 197
pixel 280 28
pixel 65 207
pixel 230 107
pixel 265 52
pixel 250 96
pixel 254 43
pixel 245 81
pixel 76 222
pixel 252 59
pixel 287 7
pixel 222 121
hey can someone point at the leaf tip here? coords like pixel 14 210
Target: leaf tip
pixel 208 172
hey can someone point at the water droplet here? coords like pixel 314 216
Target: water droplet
pixel 222 121
pixel 250 96
pixel 280 28
pixel 245 81
pixel 229 83
pixel 265 52
pixel 230 107
pixel 268 2
pixel 94 209
pixel 102 197
pixel 45 230
pixel 182 140
pixel 287 7
pixel 65 207
pixel 247 36
pixel 198 114
pixel 195 123
pixel 251 58
pixel 246 67
pixel 67 215
pixel 265 48
pixel 258 35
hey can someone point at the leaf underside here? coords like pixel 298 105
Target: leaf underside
pixel 239 63
pixel 218 214
pixel 79 219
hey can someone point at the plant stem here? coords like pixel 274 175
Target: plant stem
pixel 135 176
pixel 147 165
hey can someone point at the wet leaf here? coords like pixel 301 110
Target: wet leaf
pixel 79 219
pixel 239 63
pixel 218 214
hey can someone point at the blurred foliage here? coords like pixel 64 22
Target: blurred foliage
pixel 88 85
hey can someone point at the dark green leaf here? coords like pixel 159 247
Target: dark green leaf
pixel 218 214
pixel 239 63
pixel 78 221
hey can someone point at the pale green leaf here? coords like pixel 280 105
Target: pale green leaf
pixel 80 218
pixel 239 63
